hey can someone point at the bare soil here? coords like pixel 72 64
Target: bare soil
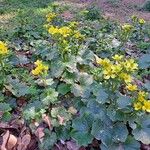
pixel 123 10
pixel 120 11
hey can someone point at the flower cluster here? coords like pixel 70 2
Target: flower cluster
pixel 50 16
pixel 141 102
pixel 119 68
pixel 127 28
pixel 122 69
pixel 40 69
pixel 3 48
pixel 62 31
pixel 141 21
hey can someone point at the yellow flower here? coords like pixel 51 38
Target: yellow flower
pixel 53 30
pixel 40 68
pixel 130 65
pixel 134 18
pixel 137 106
pixel 142 96
pixel 38 62
pixel 131 87
pixel 126 77
pixel 50 17
pixel 141 21
pixel 3 48
pixel 104 62
pixel 117 57
pixel 108 73
pixel 45 67
pixel 36 71
pixel 78 35
pixel 65 31
pixel 146 106
pixel 116 68
pixel 73 24
pixel 127 27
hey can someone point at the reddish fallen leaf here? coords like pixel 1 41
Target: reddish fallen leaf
pixel 82 148
pixel 67 15
pixel 12 141
pixel 145 147
pixel 71 145
pixel 46 119
pixel 40 133
pixel 5 139
pixel 24 142
pixel 23 131
pixel 4 125
pixel 19 144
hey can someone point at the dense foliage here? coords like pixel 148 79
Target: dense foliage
pixel 88 75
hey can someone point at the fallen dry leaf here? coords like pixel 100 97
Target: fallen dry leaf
pixel 12 141
pixel 67 15
pixel 5 139
pixel 40 133
pixel 24 142
pixel 46 119
pixel 26 139
pixel 71 145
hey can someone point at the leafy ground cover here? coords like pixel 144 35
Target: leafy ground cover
pixel 71 79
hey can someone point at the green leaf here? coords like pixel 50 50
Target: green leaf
pixel 63 88
pixel 6 117
pixel 80 124
pixel 19 59
pixel 82 138
pixel 33 110
pixel 85 79
pixel 144 61
pixel 100 93
pixel 113 146
pixel 142 135
pixel 57 68
pixel 49 81
pixel 97 110
pixel 17 88
pixel 62 112
pixel 147 85
pixel 51 97
pixel 77 90
pixel 131 144
pixel 49 140
pixel 4 107
pixel 101 96
pixel 87 92
pixel 102 132
pixel 123 101
pixel 120 132
pixel 63 132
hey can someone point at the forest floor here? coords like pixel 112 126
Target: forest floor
pixel 118 10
